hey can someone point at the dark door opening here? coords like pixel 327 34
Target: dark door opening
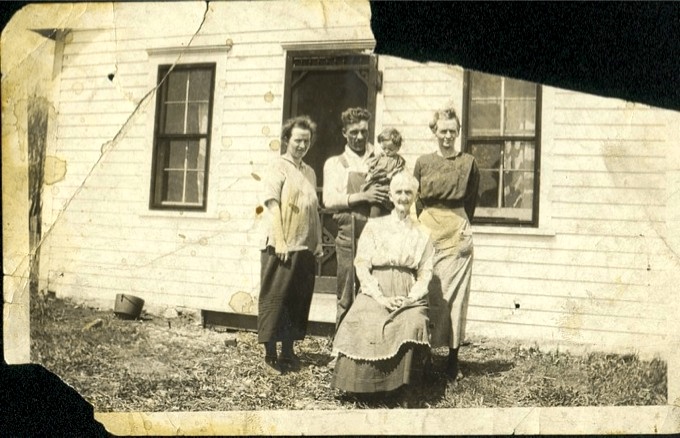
pixel 322 85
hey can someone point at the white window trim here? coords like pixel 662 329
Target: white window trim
pixel 216 54
pixel 366 45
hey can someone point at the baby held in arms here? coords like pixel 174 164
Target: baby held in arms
pixel 383 166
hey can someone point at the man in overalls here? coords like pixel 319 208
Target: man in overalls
pixel 343 176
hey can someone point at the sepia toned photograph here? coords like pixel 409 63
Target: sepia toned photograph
pixel 241 219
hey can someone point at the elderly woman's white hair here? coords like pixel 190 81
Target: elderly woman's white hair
pixel 404 178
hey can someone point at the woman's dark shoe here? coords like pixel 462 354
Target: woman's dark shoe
pixel 271 366
pixel 290 362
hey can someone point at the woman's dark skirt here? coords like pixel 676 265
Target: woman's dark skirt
pixel 285 295
pixel 362 376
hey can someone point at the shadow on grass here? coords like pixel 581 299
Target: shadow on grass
pixel 316 359
pixel 474 368
pixel 489 367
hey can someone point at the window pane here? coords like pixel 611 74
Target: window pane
pixel 178 151
pixel 176 84
pixel 485 105
pixel 518 189
pixel 178 118
pixel 485 85
pixel 516 88
pixel 199 85
pixel 196 155
pixel 488 188
pixel 519 155
pixel 488 156
pixel 520 117
pixel 485 118
pixel 194 188
pixel 197 118
pixel 173 189
pixel 174 118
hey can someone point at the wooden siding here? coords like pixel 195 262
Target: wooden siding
pixel 594 276
pixel 599 279
pixel 107 241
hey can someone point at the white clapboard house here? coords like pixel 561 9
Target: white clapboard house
pixel 163 128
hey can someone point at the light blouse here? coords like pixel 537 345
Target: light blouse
pixel 400 243
pixel 294 188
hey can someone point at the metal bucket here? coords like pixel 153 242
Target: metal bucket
pixel 128 306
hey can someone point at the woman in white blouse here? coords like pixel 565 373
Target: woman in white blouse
pixel 385 335
pixel 293 240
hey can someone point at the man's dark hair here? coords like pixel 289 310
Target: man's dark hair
pixel 354 115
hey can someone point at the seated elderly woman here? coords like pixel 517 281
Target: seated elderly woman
pixel 384 336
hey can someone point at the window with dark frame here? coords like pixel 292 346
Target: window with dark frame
pixel 182 137
pixel 502 130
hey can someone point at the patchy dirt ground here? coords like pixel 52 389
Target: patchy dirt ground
pixel 158 364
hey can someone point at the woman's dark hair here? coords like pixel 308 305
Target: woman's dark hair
pixel 392 135
pixel 444 114
pixel 354 115
pixel 302 122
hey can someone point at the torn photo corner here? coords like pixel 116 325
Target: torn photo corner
pixel 136 143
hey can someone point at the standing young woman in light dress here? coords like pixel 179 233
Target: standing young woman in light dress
pixel 288 262
pixel 449 181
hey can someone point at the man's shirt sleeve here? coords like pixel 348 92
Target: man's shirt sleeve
pixel 334 185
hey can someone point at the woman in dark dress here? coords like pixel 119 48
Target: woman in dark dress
pixel 449 181
pixel 383 338
pixel 293 239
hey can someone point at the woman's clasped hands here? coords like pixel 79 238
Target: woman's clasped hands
pixel 394 303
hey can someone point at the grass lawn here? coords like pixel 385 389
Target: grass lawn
pixel 159 364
